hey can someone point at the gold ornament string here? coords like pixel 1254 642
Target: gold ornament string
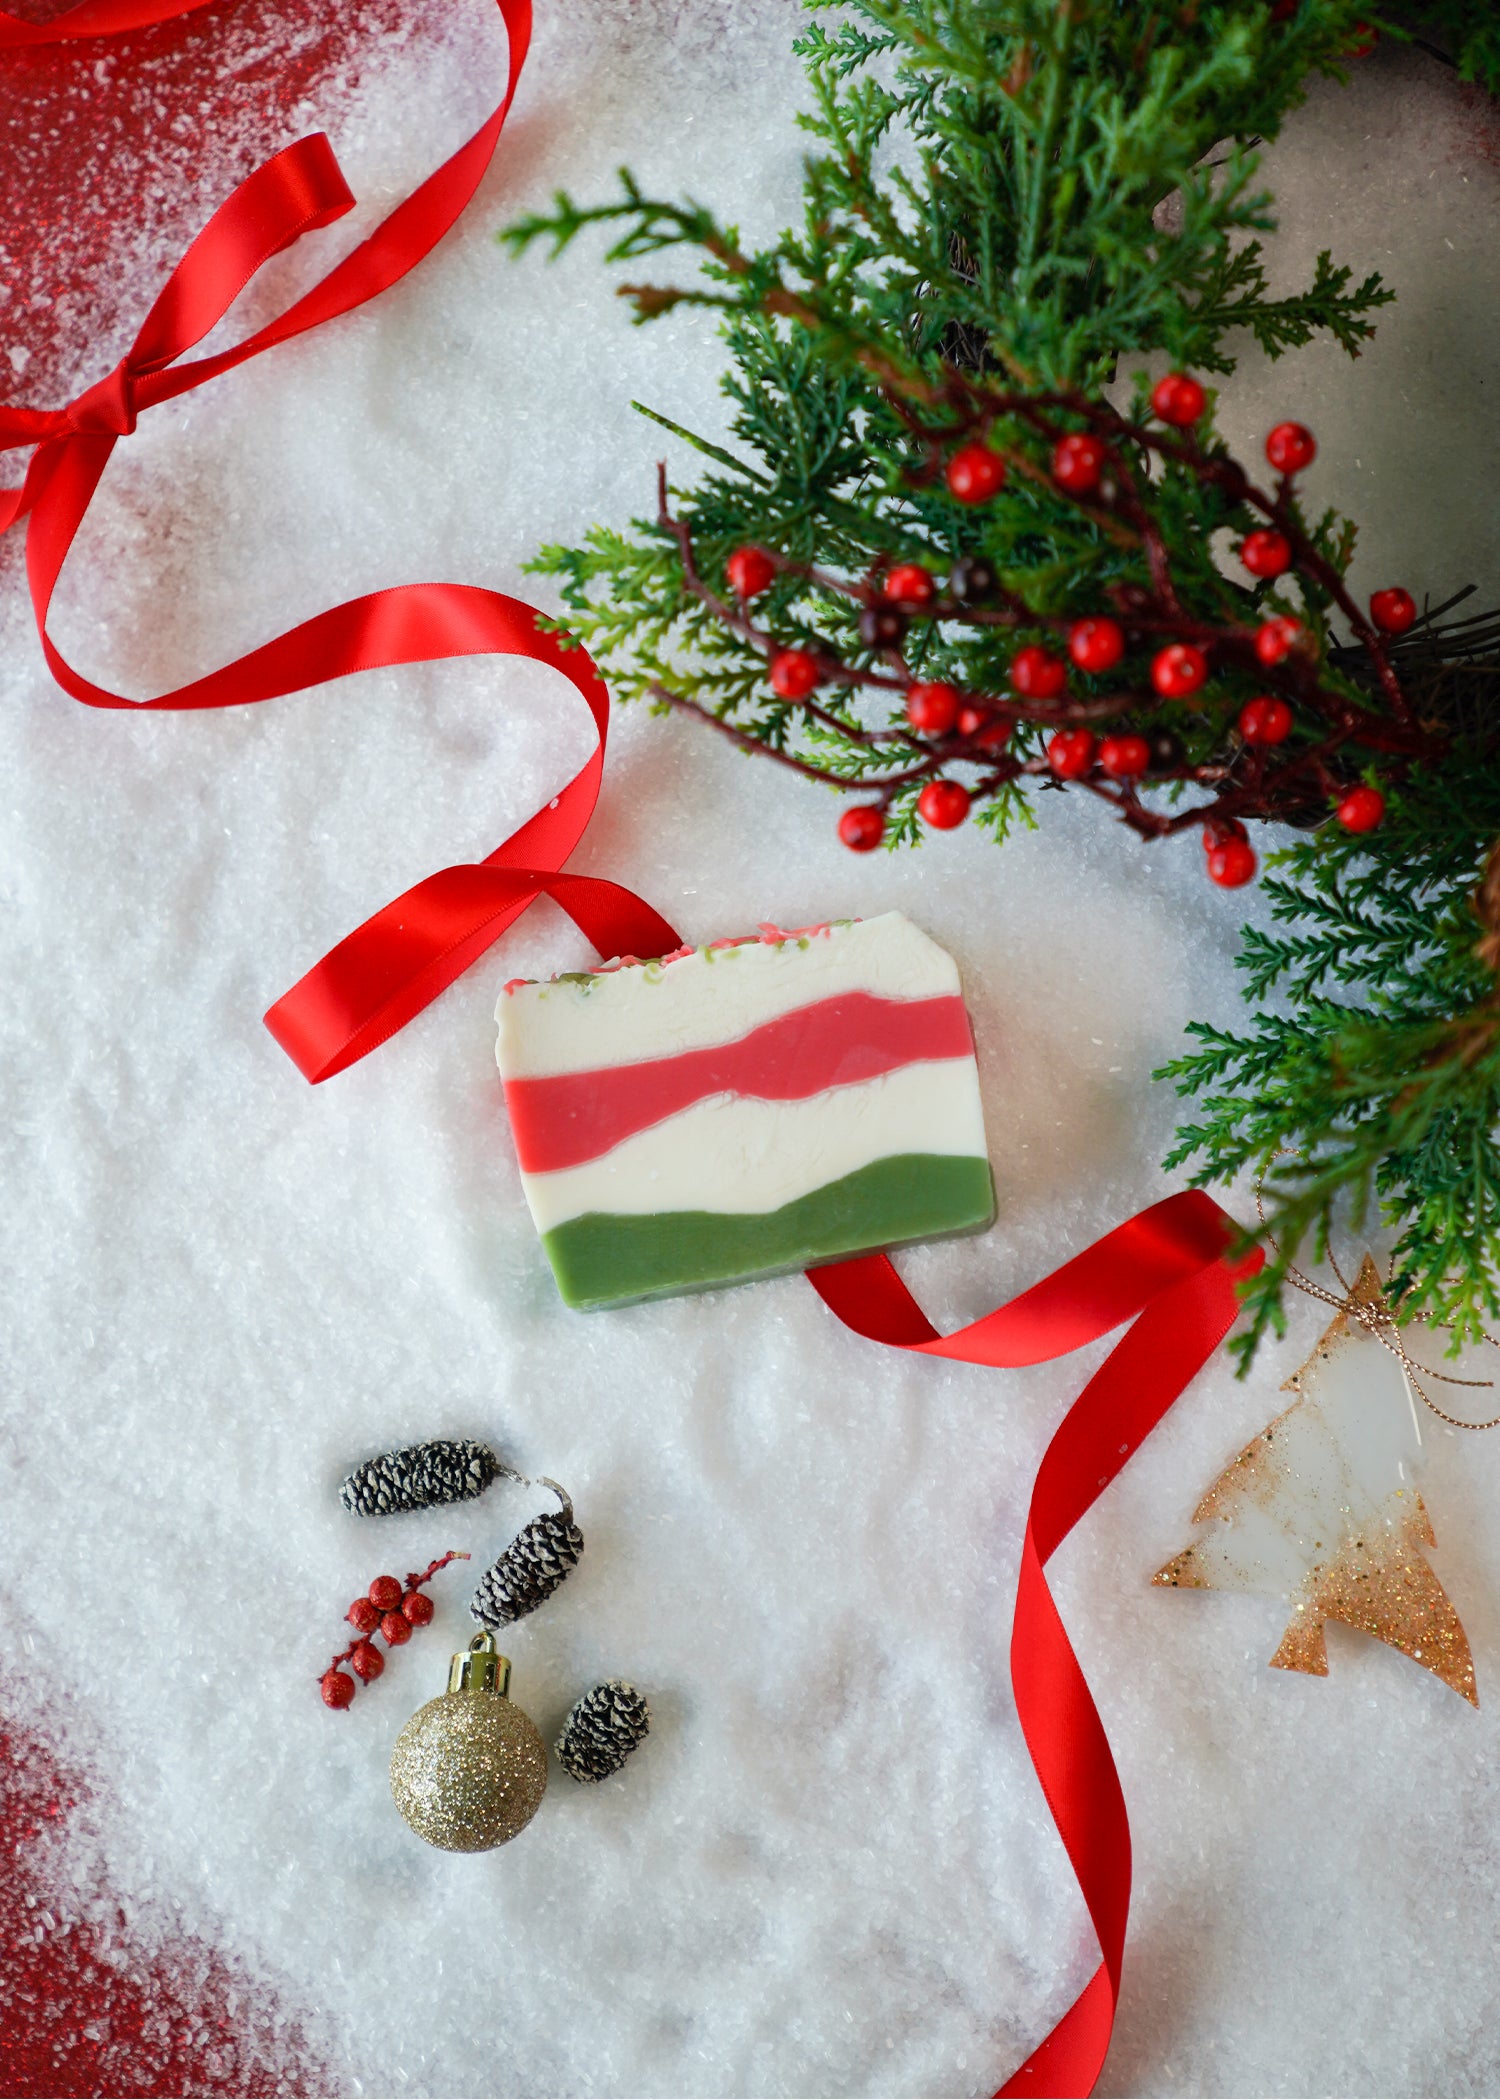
pixel 1378 1320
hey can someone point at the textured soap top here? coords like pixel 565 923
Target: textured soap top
pixel 710 993
pixel 744 1108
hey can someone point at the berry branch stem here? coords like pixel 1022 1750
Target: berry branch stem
pixel 1258 781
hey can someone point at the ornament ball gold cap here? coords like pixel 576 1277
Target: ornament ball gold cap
pixel 480 1668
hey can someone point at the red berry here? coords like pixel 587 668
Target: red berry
pixel 1178 670
pixel 932 706
pixel 1267 553
pixel 975 474
pixel 367 1662
pixel 1277 638
pixel 1070 753
pixel 1125 757
pixel 1232 864
pixel 1266 720
pixel 1037 674
pixel 385 1593
pixel 417 1607
pixel 395 1630
pixel 750 572
pixel 1361 809
pixel 1096 645
pixel 909 584
pixel 337 1689
pixel 862 827
pixel 1365 38
pixel 1291 447
pixel 1178 399
pixel 1078 463
pixel 1393 611
pixel 1283 10
pixel 363 1616
pixel 986 725
pixel 942 804
pixel 794 673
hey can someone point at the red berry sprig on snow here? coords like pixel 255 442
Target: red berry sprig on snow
pixel 391 1611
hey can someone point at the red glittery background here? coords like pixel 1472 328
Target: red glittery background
pixel 116 149
pixel 90 2006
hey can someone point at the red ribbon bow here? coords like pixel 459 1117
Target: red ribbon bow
pixel 1167 1271
pixel 387 970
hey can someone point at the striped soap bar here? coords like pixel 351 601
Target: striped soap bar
pixel 743 1109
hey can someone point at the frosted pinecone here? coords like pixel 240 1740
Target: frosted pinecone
pixel 420 1477
pixel 537 1559
pixel 602 1730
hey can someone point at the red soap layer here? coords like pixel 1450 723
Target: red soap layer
pixel 572 1117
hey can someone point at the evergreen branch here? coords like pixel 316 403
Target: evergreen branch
pixel 982 241
pixel 700 444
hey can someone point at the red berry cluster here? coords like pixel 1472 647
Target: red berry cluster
pixel 977 728
pixel 391 1611
pixel 1228 855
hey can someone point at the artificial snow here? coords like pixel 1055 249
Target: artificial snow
pixel 830 1869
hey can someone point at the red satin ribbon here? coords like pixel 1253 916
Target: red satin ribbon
pixel 386 971
pixel 91 18
pixel 1166 1271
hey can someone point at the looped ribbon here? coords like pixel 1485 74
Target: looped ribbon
pixel 1170 1272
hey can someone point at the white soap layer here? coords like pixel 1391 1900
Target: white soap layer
pixel 712 996
pixel 734 1154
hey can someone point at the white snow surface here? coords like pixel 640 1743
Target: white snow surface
pixel 830 1869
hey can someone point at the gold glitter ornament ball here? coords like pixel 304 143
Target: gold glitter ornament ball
pixel 469 1769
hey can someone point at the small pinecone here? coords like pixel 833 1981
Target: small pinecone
pixel 420 1477
pixel 529 1570
pixel 602 1730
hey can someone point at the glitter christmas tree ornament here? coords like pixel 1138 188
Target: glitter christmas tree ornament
pixel 1321 1510
pixel 469 1769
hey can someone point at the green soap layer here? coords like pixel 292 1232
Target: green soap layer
pixel 603 1258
